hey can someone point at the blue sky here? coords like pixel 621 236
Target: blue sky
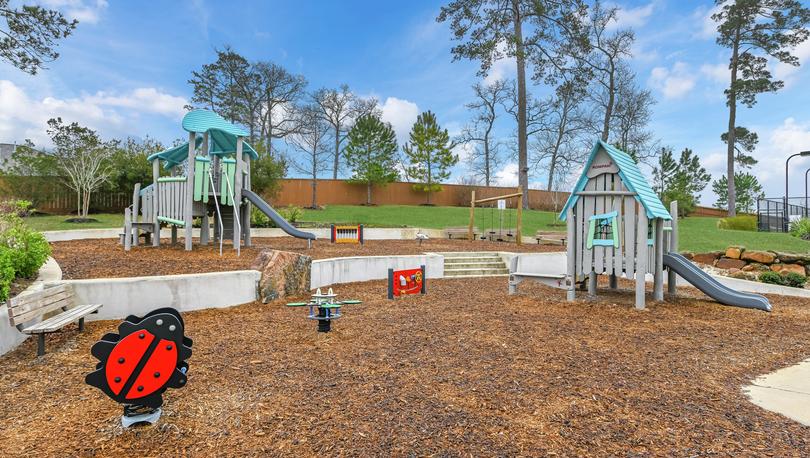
pixel 124 72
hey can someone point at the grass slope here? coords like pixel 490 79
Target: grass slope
pixel 697 234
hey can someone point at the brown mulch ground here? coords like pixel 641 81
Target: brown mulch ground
pixel 105 258
pixel 465 370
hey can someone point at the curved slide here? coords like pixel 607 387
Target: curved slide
pixel 713 288
pixel 282 223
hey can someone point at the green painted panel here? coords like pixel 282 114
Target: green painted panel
pixel 166 220
pixel 177 179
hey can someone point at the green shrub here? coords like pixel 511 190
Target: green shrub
pixel 800 228
pixel 794 280
pixel 259 219
pixel 27 249
pixel 6 272
pixel 772 278
pixel 292 213
pixel 738 223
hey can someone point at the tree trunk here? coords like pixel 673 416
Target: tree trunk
pixel 609 107
pixel 368 194
pixel 486 159
pixel 337 152
pixel 79 205
pixel 523 161
pixel 314 192
pixel 732 121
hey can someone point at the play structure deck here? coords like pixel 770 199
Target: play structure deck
pixel 209 178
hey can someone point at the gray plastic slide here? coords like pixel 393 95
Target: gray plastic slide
pixel 282 223
pixel 713 288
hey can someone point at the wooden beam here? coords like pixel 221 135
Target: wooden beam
pixel 641 257
pixel 672 282
pixel 658 272
pixel 155 202
pixel 506 196
pixel 571 254
pixel 188 202
pixel 518 236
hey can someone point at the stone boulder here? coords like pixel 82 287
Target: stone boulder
pixel 688 255
pixel 734 252
pixel 706 258
pixel 729 263
pixel 755 267
pixel 762 257
pixel 788 268
pixel 283 274
pixel 742 275
pixel 793 258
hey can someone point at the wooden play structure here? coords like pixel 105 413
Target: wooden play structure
pixel 511 233
pixel 208 178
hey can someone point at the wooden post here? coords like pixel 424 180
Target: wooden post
pixel 672 282
pixel 127 229
pixel 472 217
pixel 571 254
pixel 658 273
pixel 205 229
pixel 518 236
pixel 136 203
pixel 237 195
pixel 248 205
pixel 155 198
pixel 641 257
pixel 189 197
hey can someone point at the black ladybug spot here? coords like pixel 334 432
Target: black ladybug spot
pixel 169 347
pixel 118 380
pixel 157 374
pixel 141 335
pixel 140 388
pixel 121 360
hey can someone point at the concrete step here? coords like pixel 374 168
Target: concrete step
pixel 476 276
pixel 477 272
pixel 469 254
pixel 476 265
pixel 453 261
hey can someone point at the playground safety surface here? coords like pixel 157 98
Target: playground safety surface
pixel 105 258
pixel 464 370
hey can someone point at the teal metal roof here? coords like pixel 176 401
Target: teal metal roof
pixel 631 177
pixel 222 137
pixel 201 121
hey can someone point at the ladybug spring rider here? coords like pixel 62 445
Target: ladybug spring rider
pixel 138 364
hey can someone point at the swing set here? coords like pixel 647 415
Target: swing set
pixel 500 233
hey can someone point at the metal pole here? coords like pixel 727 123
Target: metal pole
pixel 805 193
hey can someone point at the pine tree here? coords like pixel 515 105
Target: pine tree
pixel 30 35
pixel 748 191
pixel 429 154
pixel 371 153
pixel 680 180
pixel 754 31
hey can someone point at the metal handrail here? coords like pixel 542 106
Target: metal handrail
pixel 232 192
pixel 219 214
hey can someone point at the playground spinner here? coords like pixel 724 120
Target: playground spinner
pixel 324 308
pixel 137 365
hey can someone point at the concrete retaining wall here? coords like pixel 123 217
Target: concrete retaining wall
pixel 333 271
pixel 139 295
pixel 404 233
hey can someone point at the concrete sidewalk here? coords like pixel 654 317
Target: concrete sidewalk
pixel 786 392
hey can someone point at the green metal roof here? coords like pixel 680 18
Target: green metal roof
pixel 222 137
pixel 631 176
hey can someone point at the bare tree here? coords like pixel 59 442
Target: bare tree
pixel 561 139
pixel 631 119
pixel 82 160
pixel 484 157
pixel 340 108
pixel 281 90
pixel 311 140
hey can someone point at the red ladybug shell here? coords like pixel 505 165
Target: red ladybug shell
pixel 127 357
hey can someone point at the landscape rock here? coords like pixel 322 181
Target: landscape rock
pixel 706 258
pixel 283 274
pixel 762 257
pixel 688 255
pixel 728 263
pixel 793 258
pixel 755 267
pixel 788 268
pixel 734 252
pixel 742 275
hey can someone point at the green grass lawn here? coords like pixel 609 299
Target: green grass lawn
pixel 697 234
pixel 58 223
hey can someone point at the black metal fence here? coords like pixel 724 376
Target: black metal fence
pixel 774 214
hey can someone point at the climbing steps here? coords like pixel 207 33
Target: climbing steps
pixel 474 264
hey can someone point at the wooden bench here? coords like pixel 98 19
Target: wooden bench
pixel 25 308
pixel 517 273
pixel 461 232
pixel 550 238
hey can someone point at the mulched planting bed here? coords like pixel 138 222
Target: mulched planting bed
pixel 106 258
pixel 464 370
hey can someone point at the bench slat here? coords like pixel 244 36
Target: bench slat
pixel 25 299
pixel 59 321
pixel 33 309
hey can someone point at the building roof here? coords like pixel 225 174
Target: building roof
pixel 222 137
pixel 630 175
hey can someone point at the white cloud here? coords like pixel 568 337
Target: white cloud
pixel 507 176
pixel 23 116
pixel 464 151
pixel 86 12
pixel 788 73
pixel 501 68
pixel 706 26
pixel 673 83
pixel 401 114
pixel 718 73
pixel 633 17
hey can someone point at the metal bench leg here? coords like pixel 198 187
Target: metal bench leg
pixel 81 324
pixel 40 344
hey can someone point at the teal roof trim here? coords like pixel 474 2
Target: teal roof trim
pixel 201 121
pixel 175 155
pixel 223 143
pixel 631 176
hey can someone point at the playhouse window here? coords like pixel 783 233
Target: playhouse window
pixel 604 230
pixel 650 232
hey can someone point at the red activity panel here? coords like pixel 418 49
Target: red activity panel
pixel 408 281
